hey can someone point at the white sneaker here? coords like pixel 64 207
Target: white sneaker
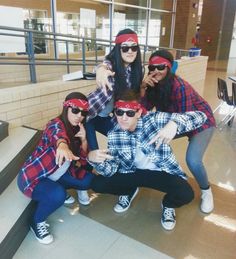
pixel 168 218
pixel 207 202
pixel 69 199
pixel 83 197
pixel 124 202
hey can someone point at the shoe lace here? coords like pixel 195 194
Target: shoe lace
pixel 169 214
pixel 124 200
pixel 42 228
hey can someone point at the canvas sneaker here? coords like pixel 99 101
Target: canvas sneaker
pixel 168 220
pixel 69 199
pixel 207 202
pixel 41 232
pixel 124 202
pixel 83 197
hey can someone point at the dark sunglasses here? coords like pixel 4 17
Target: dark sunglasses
pixel 158 67
pixel 129 113
pixel 126 48
pixel 77 110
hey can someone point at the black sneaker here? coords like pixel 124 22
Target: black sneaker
pixel 168 220
pixel 125 202
pixel 41 232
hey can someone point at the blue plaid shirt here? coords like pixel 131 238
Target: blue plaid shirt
pixel 122 144
pixel 98 99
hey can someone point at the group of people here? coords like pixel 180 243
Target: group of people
pixel 140 115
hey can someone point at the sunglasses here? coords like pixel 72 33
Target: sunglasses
pixel 158 67
pixel 126 48
pixel 129 113
pixel 77 110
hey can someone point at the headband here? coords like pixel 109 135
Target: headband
pixel 74 103
pixel 126 37
pixel 128 105
pixel 157 60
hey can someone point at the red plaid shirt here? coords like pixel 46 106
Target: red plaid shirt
pixel 42 162
pixel 184 98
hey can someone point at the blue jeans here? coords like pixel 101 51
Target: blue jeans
pixel 194 156
pixel 100 124
pixel 50 195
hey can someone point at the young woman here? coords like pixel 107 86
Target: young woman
pixel 57 164
pixel 168 92
pixel 121 69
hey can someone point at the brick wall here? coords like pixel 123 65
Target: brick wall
pixel 35 104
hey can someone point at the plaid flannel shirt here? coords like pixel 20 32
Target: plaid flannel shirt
pixel 42 162
pixel 184 98
pixel 122 144
pixel 98 99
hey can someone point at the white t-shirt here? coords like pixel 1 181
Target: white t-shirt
pixel 60 171
pixel 143 162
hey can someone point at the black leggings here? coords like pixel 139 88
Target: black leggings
pixel 178 191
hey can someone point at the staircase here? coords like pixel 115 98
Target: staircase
pixel 15 208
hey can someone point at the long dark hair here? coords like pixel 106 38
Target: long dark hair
pixel 70 129
pixel 159 95
pixel 118 67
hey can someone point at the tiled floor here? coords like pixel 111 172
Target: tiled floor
pixel 96 231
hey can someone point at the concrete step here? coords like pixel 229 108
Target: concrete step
pixel 16 209
pixel 14 150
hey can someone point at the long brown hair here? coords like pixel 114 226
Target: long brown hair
pixel 70 129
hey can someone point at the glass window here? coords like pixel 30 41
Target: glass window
pixel 142 3
pixel 159 29
pixel 162 4
pixel 37 20
pixel 74 24
pixel 68 23
pixel 133 18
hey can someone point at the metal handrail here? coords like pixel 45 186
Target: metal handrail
pixel 33 60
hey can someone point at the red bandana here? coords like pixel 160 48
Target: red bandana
pixel 156 60
pixel 126 37
pixel 128 105
pixel 74 103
